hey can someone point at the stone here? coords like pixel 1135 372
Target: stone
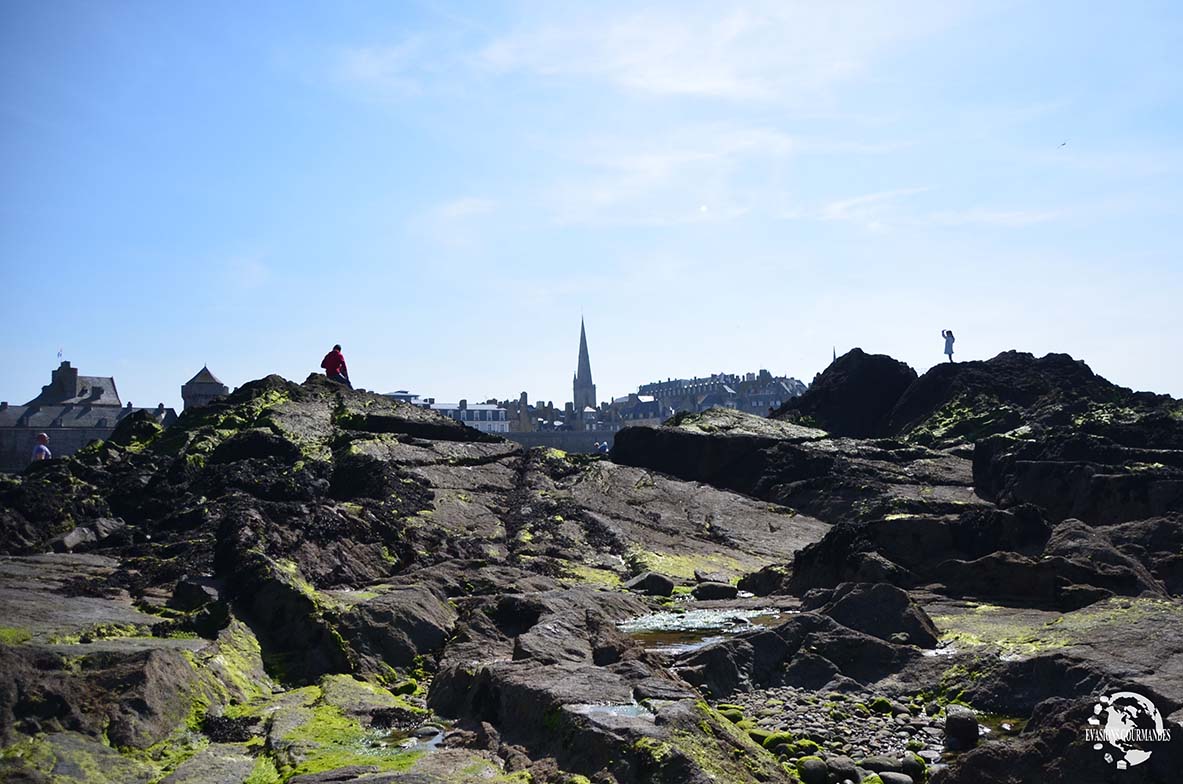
pixel 813 770
pixel 961 727
pixel 218 763
pixel 190 593
pixel 842 767
pixel 104 527
pixel 714 590
pixel 399 624
pixel 882 764
pixel 73 539
pixel 651 583
pixel 914 766
pixel 895 778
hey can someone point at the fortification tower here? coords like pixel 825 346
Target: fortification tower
pixel 202 389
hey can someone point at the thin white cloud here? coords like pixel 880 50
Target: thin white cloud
pixel 390 70
pixel 464 207
pixel 456 222
pixel 978 216
pixel 693 174
pixel 761 50
pixel 866 207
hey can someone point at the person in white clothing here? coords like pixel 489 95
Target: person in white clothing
pixel 947 334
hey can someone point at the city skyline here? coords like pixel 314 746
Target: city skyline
pixel 444 188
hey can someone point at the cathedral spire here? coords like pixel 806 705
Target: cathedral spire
pixel 584 372
pixel 584 389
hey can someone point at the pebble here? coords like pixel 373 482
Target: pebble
pixel 843 731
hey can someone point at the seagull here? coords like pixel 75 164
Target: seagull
pixel 1063 144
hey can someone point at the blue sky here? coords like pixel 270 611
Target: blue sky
pixel 444 188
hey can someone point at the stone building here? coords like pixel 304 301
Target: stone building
pixel 72 410
pixel 202 389
pixel 486 417
pixel 754 393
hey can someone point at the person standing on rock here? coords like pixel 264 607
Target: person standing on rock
pixel 947 334
pixel 41 451
pixel 334 366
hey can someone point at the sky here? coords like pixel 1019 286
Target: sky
pixel 446 188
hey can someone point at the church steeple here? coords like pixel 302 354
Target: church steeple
pixel 584 372
pixel 584 389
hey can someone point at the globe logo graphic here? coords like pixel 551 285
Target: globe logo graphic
pixel 1122 724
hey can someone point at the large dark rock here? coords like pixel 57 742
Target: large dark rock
pixel 135 698
pixel 961 727
pixel 878 609
pixel 651 583
pixel 1076 474
pixel 1093 559
pixel 815 476
pixel 854 396
pixel 1157 544
pixel 714 590
pixel 909 549
pixel 807 650
pixel 398 625
pixel 972 400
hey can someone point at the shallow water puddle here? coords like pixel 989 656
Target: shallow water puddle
pixel 675 633
pixel 403 740
pixel 628 709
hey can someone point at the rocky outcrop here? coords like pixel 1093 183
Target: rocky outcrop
pixel 808 650
pixel 304 583
pixel 972 400
pixel 348 544
pixel 878 609
pixel 1076 474
pixel 854 396
pixel 817 477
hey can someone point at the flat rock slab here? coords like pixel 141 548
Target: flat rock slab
pixel 218 763
pixel 71 757
pixel 33 599
pixel 683 527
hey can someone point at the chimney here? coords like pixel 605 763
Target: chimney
pixel 3 405
pixel 65 379
pixel 160 408
pixel 129 405
pixel 463 405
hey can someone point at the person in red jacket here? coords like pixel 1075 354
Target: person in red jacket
pixel 334 366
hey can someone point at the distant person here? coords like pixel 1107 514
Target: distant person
pixel 334 366
pixel 604 448
pixel 41 451
pixel 596 447
pixel 947 334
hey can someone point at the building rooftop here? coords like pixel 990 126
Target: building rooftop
pixel 204 376
pixel 48 417
pixel 470 406
pixel 66 387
